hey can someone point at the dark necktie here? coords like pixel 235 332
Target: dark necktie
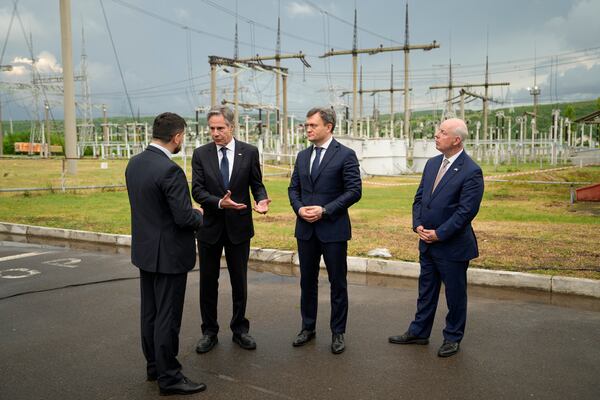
pixel 225 167
pixel 315 165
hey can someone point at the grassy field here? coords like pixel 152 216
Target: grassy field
pixel 521 227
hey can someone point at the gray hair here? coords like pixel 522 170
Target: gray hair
pixel 327 114
pixel 462 132
pixel 224 111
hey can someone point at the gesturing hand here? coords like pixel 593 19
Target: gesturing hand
pixel 262 207
pixel 226 202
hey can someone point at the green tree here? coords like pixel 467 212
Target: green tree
pixel 570 112
pixel 598 103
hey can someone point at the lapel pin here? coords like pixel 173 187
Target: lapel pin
pixel 456 169
pixel 239 154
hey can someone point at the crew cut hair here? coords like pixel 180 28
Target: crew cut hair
pixel 167 125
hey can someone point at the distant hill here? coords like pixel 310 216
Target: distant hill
pixel 580 109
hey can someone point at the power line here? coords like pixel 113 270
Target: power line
pixel 117 58
pixel 181 26
pixel 350 23
pixel 228 11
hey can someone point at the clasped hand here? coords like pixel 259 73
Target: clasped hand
pixel 311 213
pixel 426 235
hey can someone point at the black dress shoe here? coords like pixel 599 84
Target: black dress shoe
pixel 184 386
pixel 206 344
pixel 407 338
pixel 244 340
pixel 448 349
pixel 337 343
pixel 304 337
pixel 151 377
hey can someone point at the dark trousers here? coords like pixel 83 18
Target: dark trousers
pixel 334 254
pixel 236 256
pixel 161 312
pixel 453 274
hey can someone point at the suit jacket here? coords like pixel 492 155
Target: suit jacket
pixel 162 218
pixel 336 187
pixel 208 189
pixel 450 209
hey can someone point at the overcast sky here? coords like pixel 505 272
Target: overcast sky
pixel 165 64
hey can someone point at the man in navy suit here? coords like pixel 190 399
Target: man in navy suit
pixel 446 202
pixel 224 172
pixel 325 183
pixel 163 222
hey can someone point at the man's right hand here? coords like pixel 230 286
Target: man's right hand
pixel 226 202
pixel 310 213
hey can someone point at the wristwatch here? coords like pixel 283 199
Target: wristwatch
pixel 324 210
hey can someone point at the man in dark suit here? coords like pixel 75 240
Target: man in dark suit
pixel 325 183
pixel 446 202
pixel 222 172
pixel 162 247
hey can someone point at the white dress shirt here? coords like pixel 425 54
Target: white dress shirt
pixel 164 150
pixel 452 159
pixel 230 155
pixel 314 153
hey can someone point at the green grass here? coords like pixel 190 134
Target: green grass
pixel 520 227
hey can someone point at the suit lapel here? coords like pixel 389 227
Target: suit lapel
pixel 306 163
pixel 213 160
pixel 329 154
pixel 430 179
pixel 451 173
pixel 240 153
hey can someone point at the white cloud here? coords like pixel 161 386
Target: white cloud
pixel 299 10
pixel 46 64
pixel 579 28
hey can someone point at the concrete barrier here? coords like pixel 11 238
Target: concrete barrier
pixel 568 285
pixel 375 266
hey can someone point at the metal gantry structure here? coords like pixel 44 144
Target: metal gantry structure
pixel 406 49
pixel 486 97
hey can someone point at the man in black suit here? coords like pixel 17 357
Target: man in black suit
pixel 325 183
pixel 162 247
pixel 446 202
pixel 222 173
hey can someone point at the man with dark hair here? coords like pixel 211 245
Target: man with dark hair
pixel 325 183
pixel 223 171
pixel 446 202
pixel 163 222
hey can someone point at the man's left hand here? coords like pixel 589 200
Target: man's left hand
pixel 262 207
pixel 428 235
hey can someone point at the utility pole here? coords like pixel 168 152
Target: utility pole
pixel 535 91
pixel 47 141
pixel 1 131
pixel 69 95
pixel 406 49
pixel 236 55
pixel 485 97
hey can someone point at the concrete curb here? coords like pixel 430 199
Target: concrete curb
pixel 475 276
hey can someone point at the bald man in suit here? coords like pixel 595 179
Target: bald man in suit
pixel 447 200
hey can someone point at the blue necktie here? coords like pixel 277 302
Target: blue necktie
pixel 225 168
pixel 315 165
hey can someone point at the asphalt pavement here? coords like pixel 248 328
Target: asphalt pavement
pixel 69 329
